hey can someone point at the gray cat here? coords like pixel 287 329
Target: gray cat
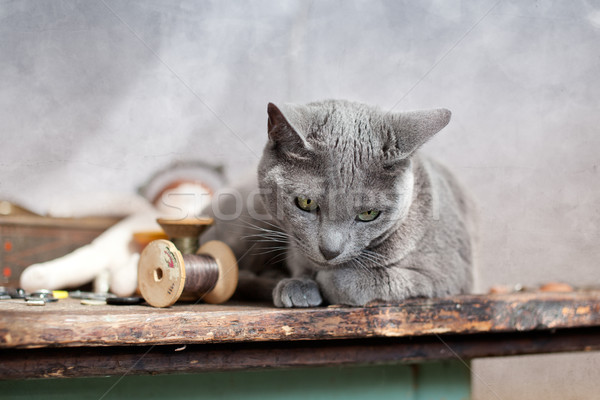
pixel 348 211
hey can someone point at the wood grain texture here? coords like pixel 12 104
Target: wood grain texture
pixel 29 239
pixel 69 324
pixel 139 360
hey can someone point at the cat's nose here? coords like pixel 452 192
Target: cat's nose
pixel 328 253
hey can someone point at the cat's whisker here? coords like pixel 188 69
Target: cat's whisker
pixel 265 234
pixel 271 224
pixel 377 259
pixel 271 250
pixel 262 228
pixel 356 264
pixel 372 263
pixel 265 238
pixel 361 266
pixel 278 258
pixel 277 234
pixel 369 258
pixel 374 255
pixel 264 221
pixel 367 269
pixel 299 244
pixel 269 241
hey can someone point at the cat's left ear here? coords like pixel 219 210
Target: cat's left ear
pixel 411 129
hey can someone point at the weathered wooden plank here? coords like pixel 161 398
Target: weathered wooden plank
pixel 137 360
pixel 69 324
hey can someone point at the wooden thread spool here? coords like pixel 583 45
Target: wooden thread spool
pixel 165 275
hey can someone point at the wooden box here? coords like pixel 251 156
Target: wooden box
pixel 29 239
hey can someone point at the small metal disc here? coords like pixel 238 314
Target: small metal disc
pixel 17 293
pixel 122 301
pixel 75 294
pixel 78 294
pixel 42 298
pixel 41 293
pixel 50 299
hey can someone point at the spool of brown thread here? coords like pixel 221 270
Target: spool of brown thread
pixel 165 275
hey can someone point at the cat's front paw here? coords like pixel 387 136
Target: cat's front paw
pixel 297 292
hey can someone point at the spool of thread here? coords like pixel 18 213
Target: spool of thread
pixel 165 275
pixel 184 233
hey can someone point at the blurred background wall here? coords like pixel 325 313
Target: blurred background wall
pixel 95 96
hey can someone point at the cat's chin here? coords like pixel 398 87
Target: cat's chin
pixel 328 265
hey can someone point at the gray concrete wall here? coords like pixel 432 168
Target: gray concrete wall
pixel 94 96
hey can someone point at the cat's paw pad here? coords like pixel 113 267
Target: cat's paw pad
pixel 297 292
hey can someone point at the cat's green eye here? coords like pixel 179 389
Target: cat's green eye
pixel 306 204
pixel 367 216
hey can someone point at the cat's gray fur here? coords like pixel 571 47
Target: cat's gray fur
pixel 350 158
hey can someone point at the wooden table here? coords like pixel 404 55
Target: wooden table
pixel 67 339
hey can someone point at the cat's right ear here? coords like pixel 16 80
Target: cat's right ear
pixel 284 132
pixel 411 129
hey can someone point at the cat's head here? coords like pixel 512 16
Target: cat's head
pixel 338 176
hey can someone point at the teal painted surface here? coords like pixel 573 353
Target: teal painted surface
pixel 442 381
pixel 448 381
